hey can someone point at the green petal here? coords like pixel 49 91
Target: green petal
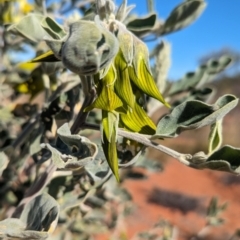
pixel 45 57
pixel 110 151
pixel 107 99
pixel 109 123
pixel 137 120
pixel 123 85
pixel 145 82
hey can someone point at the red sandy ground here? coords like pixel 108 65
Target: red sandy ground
pixel 202 185
pixel 190 184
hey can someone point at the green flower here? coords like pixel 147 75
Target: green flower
pixel 119 64
pixel 120 92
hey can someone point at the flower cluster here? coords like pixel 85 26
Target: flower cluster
pixel 118 62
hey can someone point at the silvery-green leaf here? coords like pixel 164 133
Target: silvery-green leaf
pixel 98 169
pixel 204 95
pixel 3 162
pixel 163 62
pixel 191 79
pixel 215 66
pixel 202 75
pixel 30 27
pixel 76 152
pixel 41 214
pixel 13 228
pixel 35 140
pixel 141 26
pixel 215 137
pixel 53 28
pixel 225 159
pixel 121 12
pixel 193 115
pixel 183 15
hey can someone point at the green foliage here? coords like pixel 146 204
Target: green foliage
pixel 193 115
pixel 49 115
pixel 37 220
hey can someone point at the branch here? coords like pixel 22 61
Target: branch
pixel 145 140
pixel 90 94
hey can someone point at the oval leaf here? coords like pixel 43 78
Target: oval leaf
pixel 193 115
pixel 183 15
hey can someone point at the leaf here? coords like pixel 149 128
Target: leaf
pixel 30 27
pixel 215 66
pixel 53 28
pixel 125 39
pixel 98 169
pixel 3 162
pixel 203 94
pixel 215 137
pixel 75 152
pixel 41 213
pixel 190 80
pixel 183 15
pixel 202 75
pixel 39 217
pixel 163 62
pixel 142 25
pixel 193 115
pixel 226 159
pixel 123 11
pixel 13 228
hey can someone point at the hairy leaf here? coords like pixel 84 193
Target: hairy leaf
pixel 41 213
pixel 53 28
pixel 3 162
pixel 183 15
pixel 226 159
pixel 13 228
pixel 215 137
pixel 202 75
pixel 75 152
pixel 30 27
pixel 193 115
pixel 141 26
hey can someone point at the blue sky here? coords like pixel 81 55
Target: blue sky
pixel 218 27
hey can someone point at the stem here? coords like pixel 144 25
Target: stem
pixel 150 5
pixel 181 157
pixel 90 94
pixel 26 131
